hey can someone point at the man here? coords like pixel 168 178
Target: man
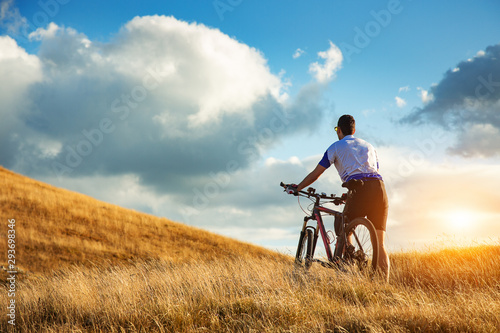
pixel 355 158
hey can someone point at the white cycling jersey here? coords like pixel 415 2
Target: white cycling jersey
pixel 354 158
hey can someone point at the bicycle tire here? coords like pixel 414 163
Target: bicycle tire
pixel 365 253
pixel 304 256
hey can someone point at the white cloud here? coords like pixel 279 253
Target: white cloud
pixel 400 102
pixel 298 52
pixel 48 32
pixel 464 100
pixel 165 100
pixel 425 96
pixel 294 160
pixel 18 72
pixel 404 89
pixel 225 76
pixel 11 18
pixel 478 140
pixel 325 72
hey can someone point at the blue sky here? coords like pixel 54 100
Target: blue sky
pixel 173 107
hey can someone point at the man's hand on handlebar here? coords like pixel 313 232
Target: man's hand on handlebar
pixel 292 189
pixel 311 193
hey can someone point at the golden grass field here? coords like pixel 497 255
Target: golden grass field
pixel 88 266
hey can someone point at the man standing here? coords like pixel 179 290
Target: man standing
pixel 355 158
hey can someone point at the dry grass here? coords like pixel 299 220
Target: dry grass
pixel 100 268
pixel 448 291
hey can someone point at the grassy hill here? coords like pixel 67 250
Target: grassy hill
pixel 101 268
pixel 56 228
pixel 456 290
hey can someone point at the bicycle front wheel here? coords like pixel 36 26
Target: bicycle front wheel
pixel 304 255
pixel 363 253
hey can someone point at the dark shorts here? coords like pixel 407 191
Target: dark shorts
pixel 369 201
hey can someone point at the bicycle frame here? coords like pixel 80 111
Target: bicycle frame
pixel 321 230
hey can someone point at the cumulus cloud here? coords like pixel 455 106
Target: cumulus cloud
pixel 478 139
pixel 18 72
pixel 10 18
pixel 325 72
pixel 165 100
pixel 298 52
pixel 400 102
pixel 465 100
pixel 425 96
pixel 48 32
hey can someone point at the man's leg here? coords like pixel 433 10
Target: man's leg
pixel 383 257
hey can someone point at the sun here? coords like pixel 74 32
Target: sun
pixel 461 219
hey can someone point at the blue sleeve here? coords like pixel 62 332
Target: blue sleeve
pixel 325 162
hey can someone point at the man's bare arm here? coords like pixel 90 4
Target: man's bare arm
pixel 311 177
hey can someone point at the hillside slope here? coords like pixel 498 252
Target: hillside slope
pixel 57 227
pixel 452 290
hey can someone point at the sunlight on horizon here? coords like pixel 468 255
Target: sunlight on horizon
pixel 461 219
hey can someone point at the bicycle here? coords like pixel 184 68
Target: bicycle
pixel 356 242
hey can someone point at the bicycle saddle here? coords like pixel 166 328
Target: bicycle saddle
pixel 353 184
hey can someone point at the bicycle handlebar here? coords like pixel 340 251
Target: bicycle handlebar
pixel 311 192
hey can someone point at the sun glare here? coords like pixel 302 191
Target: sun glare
pixel 461 219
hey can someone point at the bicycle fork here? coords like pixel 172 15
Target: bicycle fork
pixel 303 232
pixel 320 230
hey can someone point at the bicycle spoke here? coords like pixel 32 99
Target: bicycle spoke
pixel 364 251
pixel 357 240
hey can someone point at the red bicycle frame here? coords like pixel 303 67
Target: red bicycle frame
pixel 320 229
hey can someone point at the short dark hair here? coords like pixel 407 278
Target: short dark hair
pixel 347 124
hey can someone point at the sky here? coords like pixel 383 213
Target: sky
pixel 197 110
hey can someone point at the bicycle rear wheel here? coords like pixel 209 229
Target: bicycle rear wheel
pixel 304 255
pixel 363 253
